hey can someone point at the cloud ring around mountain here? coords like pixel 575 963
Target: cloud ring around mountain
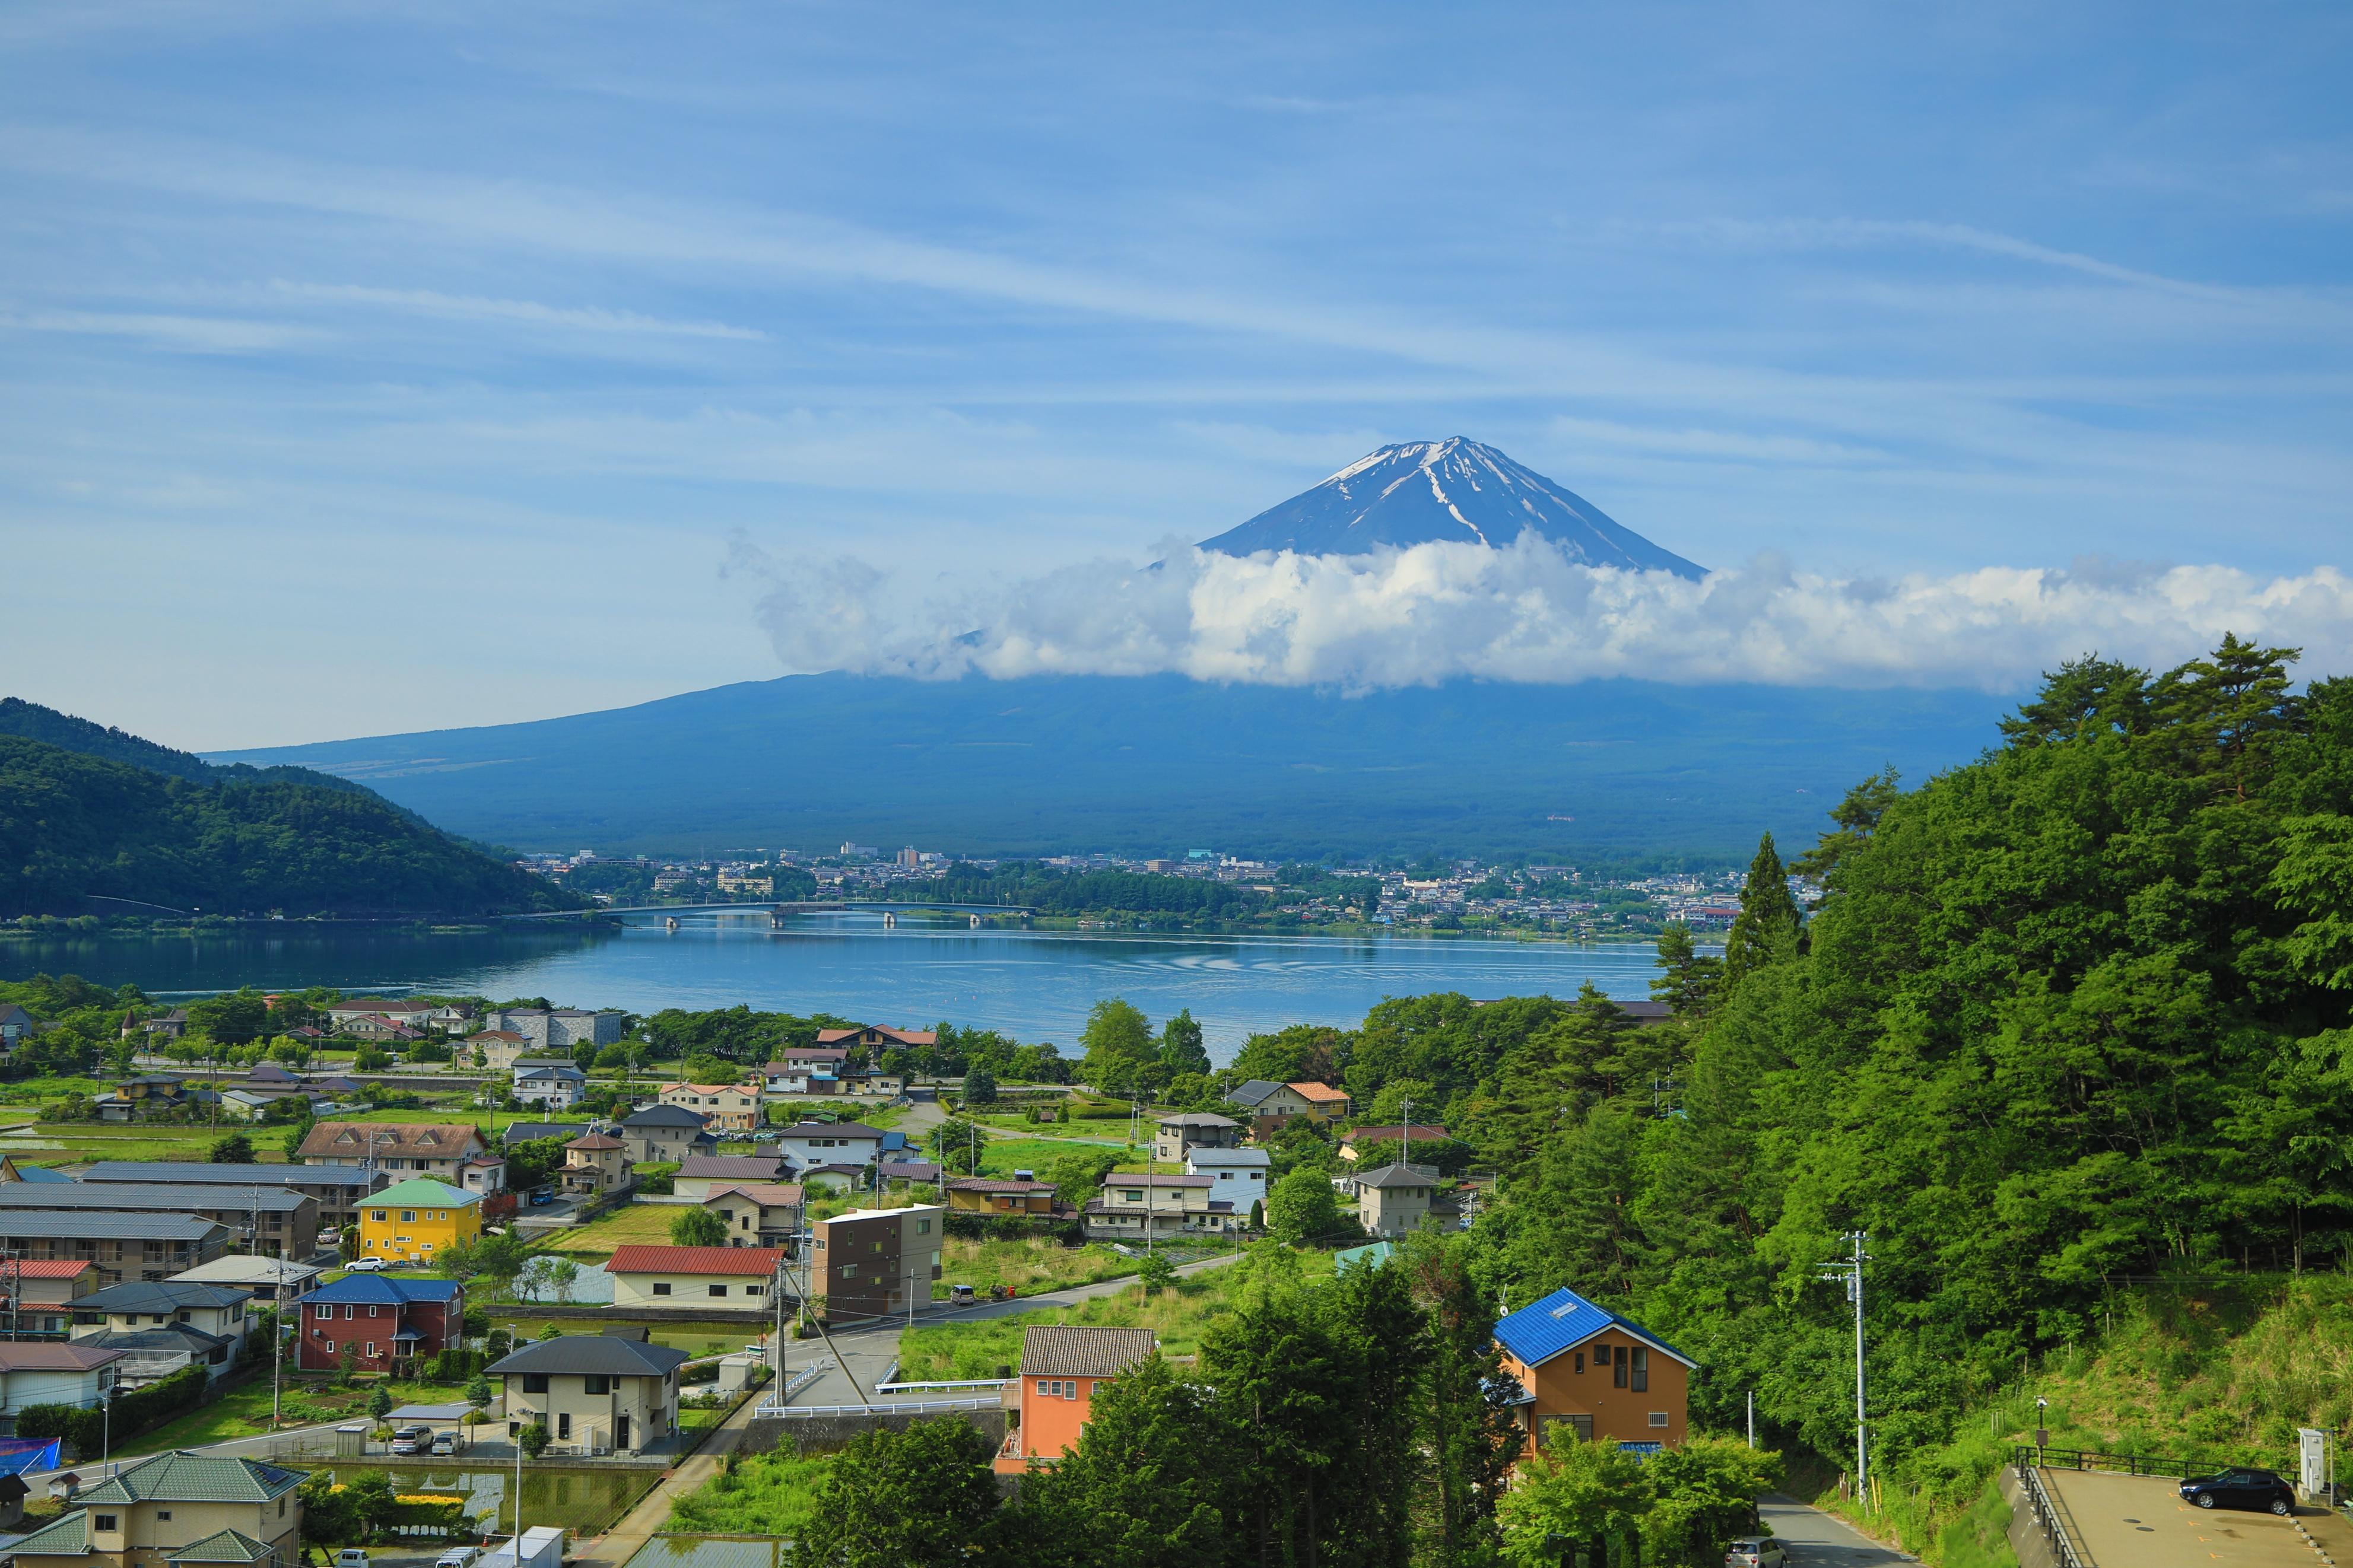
pixel 1530 613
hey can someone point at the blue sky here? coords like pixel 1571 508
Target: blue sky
pixel 369 368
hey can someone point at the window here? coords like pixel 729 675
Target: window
pixel 719 1289
pixel 408 1216
pixel 922 1227
pixel 1580 1361
pixel 755 1289
pixel 371 1349
pixel 661 1287
pixel 378 1216
pixel 372 1310
pixel 849 1271
pixel 535 1383
pixel 1657 1417
pixel 104 1521
pixel 350 1313
pixel 1641 1384
pixel 162 1513
pixel 1618 1367
pixel 595 1383
pixel 1581 1425
pixel 564 1425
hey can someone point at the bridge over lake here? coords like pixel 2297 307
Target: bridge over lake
pixel 790 907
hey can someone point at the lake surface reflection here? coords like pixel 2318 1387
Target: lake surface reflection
pixel 1036 986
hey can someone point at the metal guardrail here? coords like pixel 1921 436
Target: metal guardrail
pixel 898 1407
pixel 2027 1456
pixel 2047 1515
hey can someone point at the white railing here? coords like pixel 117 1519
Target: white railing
pixel 966 1383
pixel 899 1407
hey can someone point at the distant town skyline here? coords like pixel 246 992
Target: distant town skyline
pixel 375 372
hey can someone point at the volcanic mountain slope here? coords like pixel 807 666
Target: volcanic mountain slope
pixel 1457 490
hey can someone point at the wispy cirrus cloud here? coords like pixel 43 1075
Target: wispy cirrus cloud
pixel 521 312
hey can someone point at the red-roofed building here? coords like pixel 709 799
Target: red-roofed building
pixel 43 1289
pixel 875 1037
pixel 736 1277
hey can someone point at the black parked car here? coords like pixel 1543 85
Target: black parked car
pixel 2241 1488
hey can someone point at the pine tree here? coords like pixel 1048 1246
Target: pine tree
pixel 1768 916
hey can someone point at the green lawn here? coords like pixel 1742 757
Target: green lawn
pixel 638 1223
pixel 1026 1266
pixel 244 1411
pixel 1003 1156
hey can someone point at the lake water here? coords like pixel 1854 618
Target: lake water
pixel 1035 986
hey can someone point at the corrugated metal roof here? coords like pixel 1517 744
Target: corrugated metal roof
pixel 82 1195
pixel 200 1174
pixel 382 1292
pixel 78 1226
pixel 1563 1320
pixel 753 1260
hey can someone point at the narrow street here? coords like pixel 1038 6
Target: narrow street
pixel 1815 1536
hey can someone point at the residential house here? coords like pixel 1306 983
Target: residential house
pixel 1049 1404
pixel 914 1172
pixel 835 1178
pixel 80 1375
pixel 40 1293
pixel 417 1016
pixel 875 1038
pixel 558 1028
pixel 146 1097
pixel 595 1163
pixel 706 1174
pixel 1270 1105
pixel 667 1132
pixel 484 1174
pixel 983 1194
pixel 1605 1376
pixel 212 1309
pixel 15 1026
pixel 872 1263
pixel 137 1245
pixel 1175 1136
pixel 1235 1175
pixel 1359 1140
pixel 808 1143
pixel 266 1278
pixel 872 1083
pixel 725 1106
pixel 759 1214
pixel 612 1392
pixel 151 1354
pixel 1395 1199
pixel 810 1071
pixel 335 1189
pixel 729 1278
pixel 383 1319
pixel 1136 1206
pixel 499 1049
pixel 433 1149
pixel 285 1219
pixel 380 1031
pixel 176 1508
pixel 409 1221
pixel 551 1087
pixel 169 1026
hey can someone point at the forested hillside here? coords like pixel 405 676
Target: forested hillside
pixel 2070 1020
pixel 32 722
pixel 77 831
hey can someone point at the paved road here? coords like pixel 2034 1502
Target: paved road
pixel 2140 1521
pixel 1814 1537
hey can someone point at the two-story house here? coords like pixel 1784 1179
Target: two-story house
pixel 812 1069
pixel 707 1174
pixel 595 1163
pixel 989 1194
pixel 611 1393
pixel 384 1319
pixel 812 1144
pixel 1062 1367
pixel 1176 1136
pixel 1607 1377
pixel 499 1049
pixel 666 1133
pixel 1237 1176
pixel 174 1509
pixel 1269 1105
pixel 42 1292
pixel 761 1213
pixel 411 1221
pixel 874 1038
pixel 726 1106
pixel 1396 1199
pixel 403 1148
pixel 1358 1142
pixel 552 1088
pixel 1135 1207
pixel 214 1309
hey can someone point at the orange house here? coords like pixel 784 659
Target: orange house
pixel 1047 1406
pixel 1609 1379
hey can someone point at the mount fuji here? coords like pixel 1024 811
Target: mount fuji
pixel 1455 491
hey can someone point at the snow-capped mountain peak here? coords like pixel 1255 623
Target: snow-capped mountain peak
pixel 1457 489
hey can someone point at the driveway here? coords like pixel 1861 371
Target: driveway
pixel 1815 1536
pixel 2140 1521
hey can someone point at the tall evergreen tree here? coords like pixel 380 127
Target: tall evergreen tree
pixel 1768 916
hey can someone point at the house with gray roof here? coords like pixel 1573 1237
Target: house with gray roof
pixel 337 1189
pixel 123 1246
pixel 261 1217
pixel 614 1392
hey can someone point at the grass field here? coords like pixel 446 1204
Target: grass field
pixel 1026 1266
pixel 633 1224
pixel 772 1493
pixel 1178 1316
pixel 244 1411
pixel 1003 1156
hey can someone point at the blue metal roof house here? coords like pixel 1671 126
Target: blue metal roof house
pixel 1605 1377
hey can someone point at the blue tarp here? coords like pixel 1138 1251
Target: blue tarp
pixel 23 1455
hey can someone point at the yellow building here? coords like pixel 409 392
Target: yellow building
pixel 411 1221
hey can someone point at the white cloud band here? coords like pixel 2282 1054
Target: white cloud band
pixel 1528 613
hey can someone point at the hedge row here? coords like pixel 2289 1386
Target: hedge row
pixel 88 1430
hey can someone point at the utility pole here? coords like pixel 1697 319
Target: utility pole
pixel 1752 1418
pixel 278 1335
pixel 1849 1274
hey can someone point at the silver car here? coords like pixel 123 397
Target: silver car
pixel 1755 1551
